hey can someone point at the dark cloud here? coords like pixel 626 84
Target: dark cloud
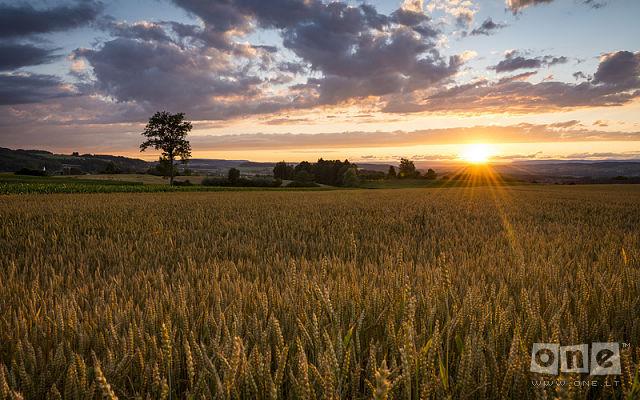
pixel 366 65
pixel 513 63
pixel 139 30
pixel 23 19
pixel 579 75
pixel 164 75
pixel 346 52
pixel 358 51
pixel 488 27
pixel 514 60
pixel 15 55
pixel 357 60
pixel 517 5
pixel 31 88
pixel 519 97
pixel 464 18
pixel 620 69
pixel 618 83
pixel 518 77
pixel 595 3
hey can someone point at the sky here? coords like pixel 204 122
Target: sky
pixel 294 80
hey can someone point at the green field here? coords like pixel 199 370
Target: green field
pixel 143 183
pixel 353 294
pixel 121 183
pixel 138 178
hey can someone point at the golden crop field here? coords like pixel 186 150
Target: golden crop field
pixel 357 294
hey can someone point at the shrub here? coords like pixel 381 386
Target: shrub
pixel 241 182
pixel 31 172
pixel 294 184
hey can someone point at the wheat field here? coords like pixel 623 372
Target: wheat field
pixel 356 294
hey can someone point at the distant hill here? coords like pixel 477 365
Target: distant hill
pixel 577 169
pixel 14 160
pixel 550 171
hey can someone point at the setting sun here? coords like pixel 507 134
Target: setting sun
pixel 477 153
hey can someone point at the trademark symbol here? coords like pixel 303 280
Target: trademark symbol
pixel 626 345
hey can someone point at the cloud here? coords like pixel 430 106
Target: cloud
pixel 286 121
pixel 332 53
pixel 142 30
pixel 518 77
pixel 61 132
pixel 512 63
pixel 617 83
pixel 621 68
pixel 566 124
pixel 488 27
pixel 595 3
pixel 521 133
pixel 517 5
pixel 604 155
pixel 579 75
pixel 23 19
pixel 529 156
pixel 15 55
pixel 202 81
pixel 378 65
pixel 344 52
pixel 514 60
pixel 413 5
pixel 357 51
pixel 462 11
pixel 31 88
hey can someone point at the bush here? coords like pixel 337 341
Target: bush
pixel 241 182
pixel 31 172
pixel 294 184
pixel 233 176
pixel 215 181
pixel 350 178
pixel 182 183
pixel 371 175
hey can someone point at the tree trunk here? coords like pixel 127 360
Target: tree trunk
pixel 171 170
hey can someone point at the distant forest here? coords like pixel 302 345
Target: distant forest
pixel 39 160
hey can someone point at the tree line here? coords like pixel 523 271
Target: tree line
pixel 325 172
pixel 168 133
pixel 344 173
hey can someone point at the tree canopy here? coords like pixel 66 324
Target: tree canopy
pixel 327 172
pixel 168 132
pixel 407 169
pixel 282 170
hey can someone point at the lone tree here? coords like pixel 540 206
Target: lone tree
pixel 234 175
pixel 168 132
pixel 392 172
pixel 407 169
pixel 431 174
